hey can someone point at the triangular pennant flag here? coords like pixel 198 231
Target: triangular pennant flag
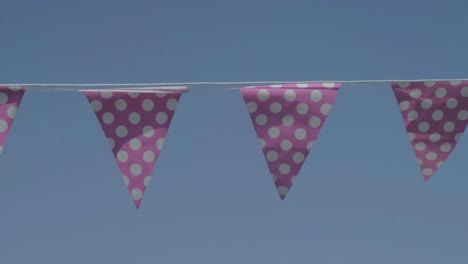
pixel 435 115
pixel 287 119
pixel 135 123
pixel 10 100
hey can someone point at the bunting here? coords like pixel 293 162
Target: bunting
pixel 435 115
pixel 135 124
pixel 287 119
pixel 10 100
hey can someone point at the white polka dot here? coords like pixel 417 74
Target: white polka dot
pixel 133 94
pixel 455 83
pixel 135 169
pixel 11 111
pixel 287 120
pixel 411 136
pixel 404 105
pixel 446 147
pixel 263 95
pixel 437 115
pixel 134 118
pixel 261 119
pixel 302 85
pixel 434 137
pixel 404 84
pixel 284 168
pixel 439 164
pixel 293 179
pixel 328 85
pixel 147 104
pixel 426 103
pixel 420 162
pixel 441 92
pixel 275 108
pixel 325 108
pixel 14 88
pixel 108 118
pixel 111 142
pixel 126 180
pixel 160 143
pixel 298 157
pixel 171 104
pixel 3 98
pixel 3 126
pixel 96 105
pixel 302 108
pixel 462 115
pixel 106 94
pixel 412 115
pixel 148 131
pixel 310 145
pixel 316 96
pixel 147 180
pixel 273 132
pixel 416 93
pixel 137 194
pixel 429 84
pixel 282 190
pixel 458 136
pixel 135 144
pixel 452 103
pixel 315 122
pixel 431 156
pixel 427 172
pixel 276 86
pixel 148 156
pixel 122 156
pixel 262 142
pixel 423 127
pixel 286 145
pixel 272 155
pixel 300 133
pixel 160 94
pixel 449 126
pixel 121 104
pixel 464 91
pixel 251 107
pixel 121 131
pixel 420 146
pixel 161 118
pixel 274 177
pixel 289 95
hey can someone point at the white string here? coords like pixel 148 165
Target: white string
pixel 73 86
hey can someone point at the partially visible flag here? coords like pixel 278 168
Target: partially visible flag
pixel 10 100
pixel 135 124
pixel 287 119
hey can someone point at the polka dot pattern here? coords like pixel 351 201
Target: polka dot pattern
pixel 10 99
pixel 434 114
pixel 135 124
pixel 287 119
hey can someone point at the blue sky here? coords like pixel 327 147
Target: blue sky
pixel 359 199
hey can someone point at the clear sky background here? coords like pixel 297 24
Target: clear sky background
pixel 359 199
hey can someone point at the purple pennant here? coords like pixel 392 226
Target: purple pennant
pixel 435 115
pixel 287 119
pixel 135 124
pixel 10 100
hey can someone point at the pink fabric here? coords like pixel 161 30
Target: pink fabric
pixel 135 124
pixel 10 99
pixel 287 119
pixel 435 115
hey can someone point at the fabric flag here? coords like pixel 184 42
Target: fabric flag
pixel 10 100
pixel 287 119
pixel 435 115
pixel 135 123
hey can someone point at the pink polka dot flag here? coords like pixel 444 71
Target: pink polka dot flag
pixel 10 99
pixel 435 115
pixel 287 119
pixel 135 124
